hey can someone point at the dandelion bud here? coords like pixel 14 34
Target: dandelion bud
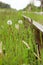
pixel 17 26
pixel 20 21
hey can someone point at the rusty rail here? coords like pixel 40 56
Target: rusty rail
pixel 38 30
pixel 37 25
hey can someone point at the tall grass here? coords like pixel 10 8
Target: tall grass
pixel 15 51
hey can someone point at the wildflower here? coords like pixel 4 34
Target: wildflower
pixel 17 26
pixel 20 21
pixel 0 47
pixel 9 22
pixel 26 44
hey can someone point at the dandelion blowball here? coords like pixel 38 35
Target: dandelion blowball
pixel 20 21
pixel 9 22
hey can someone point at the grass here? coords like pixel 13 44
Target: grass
pixel 36 17
pixel 42 55
pixel 14 51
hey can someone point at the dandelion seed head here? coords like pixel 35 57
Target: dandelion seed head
pixel 9 22
pixel 20 22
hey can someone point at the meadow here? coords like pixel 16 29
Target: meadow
pixel 18 42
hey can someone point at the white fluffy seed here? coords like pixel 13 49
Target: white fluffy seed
pixel 9 22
